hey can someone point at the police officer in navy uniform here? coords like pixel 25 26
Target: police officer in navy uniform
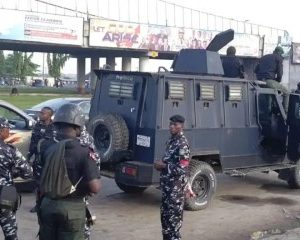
pixel 232 65
pixel 12 162
pixel 298 88
pixel 174 179
pixel 64 218
pixel 270 70
pixel 43 129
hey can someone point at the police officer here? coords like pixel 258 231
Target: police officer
pixel 64 218
pixel 298 88
pixel 232 65
pixel 43 129
pixel 173 179
pixel 10 160
pixel 88 140
pixel 270 69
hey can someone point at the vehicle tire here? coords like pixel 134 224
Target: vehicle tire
pixel 294 177
pixel 125 132
pixel 110 134
pixel 130 189
pixel 204 183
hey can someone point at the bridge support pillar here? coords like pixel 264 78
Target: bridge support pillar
pixel 80 73
pixel 111 62
pixel 126 64
pixel 143 62
pixel 94 66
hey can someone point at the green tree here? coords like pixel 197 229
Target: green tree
pixel 56 61
pixel 2 64
pixel 19 65
pixel 28 68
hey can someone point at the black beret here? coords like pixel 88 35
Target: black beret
pixel 4 123
pixel 177 118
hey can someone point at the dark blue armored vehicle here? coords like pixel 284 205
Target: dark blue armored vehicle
pixel 234 126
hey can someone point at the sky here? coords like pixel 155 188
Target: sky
pixel 277 14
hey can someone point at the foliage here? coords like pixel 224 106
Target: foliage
pixel 19 65
pixel 2 64
pixel 56 62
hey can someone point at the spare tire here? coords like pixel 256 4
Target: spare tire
pixel 110 134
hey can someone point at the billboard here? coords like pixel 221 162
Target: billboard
pixel 41 27
pixel 271 42
pixel 106 33
pixel 245 44
pixel 296 53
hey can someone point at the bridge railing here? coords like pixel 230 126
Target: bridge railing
pixel 156 12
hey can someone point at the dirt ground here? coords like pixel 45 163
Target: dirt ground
pixel 242 205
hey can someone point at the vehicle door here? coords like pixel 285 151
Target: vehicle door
pixel 273 128
pixel 20 125
pixel 293 121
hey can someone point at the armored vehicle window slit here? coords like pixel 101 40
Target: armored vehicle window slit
pixel 121 89
pixel 205 92
pixel 175 90
pixel 234 93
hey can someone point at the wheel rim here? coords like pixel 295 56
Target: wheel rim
pixel 201 187
pixel 102 138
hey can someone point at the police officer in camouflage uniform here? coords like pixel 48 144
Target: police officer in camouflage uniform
pixel 43 129
pixel 174 179
pixel 10 160
pixel 88 140
pixel 64 218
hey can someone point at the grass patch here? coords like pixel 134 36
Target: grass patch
pixel 44 90
pixel 24 101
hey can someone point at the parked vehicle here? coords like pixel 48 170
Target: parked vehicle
pixel 234 126
pixel 37 83
pixel 21 127
pixel 56 103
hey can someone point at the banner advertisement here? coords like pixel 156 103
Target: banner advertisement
pixel 296 53
pixel 270 43
pixel 245 44
pixel 41 27
pixel 106 33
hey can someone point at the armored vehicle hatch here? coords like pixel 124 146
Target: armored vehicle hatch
pixel 200 61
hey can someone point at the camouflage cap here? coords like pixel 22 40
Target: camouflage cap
pixel 4 123
pixel 177 118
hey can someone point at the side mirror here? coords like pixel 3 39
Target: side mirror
pixel 30 124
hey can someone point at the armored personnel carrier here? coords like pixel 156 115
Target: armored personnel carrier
pixel 234 126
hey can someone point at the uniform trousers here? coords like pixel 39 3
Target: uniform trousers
pixel 172 208
pixel 8 224
pixel 62 219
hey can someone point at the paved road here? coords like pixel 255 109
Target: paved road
pixel 243 205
